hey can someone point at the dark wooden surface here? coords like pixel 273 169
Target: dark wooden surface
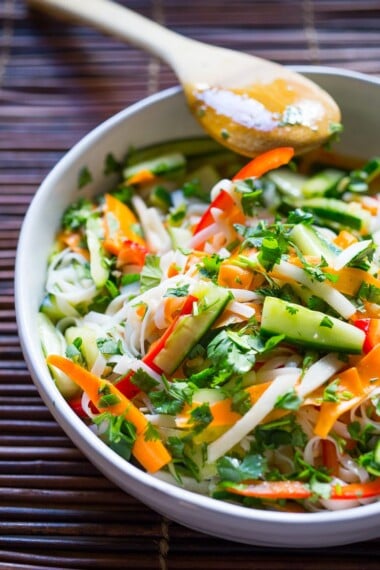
pixel 57 82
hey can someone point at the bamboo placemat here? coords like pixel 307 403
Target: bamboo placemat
pixel 57 82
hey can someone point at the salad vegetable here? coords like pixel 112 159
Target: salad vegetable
pixel 218 323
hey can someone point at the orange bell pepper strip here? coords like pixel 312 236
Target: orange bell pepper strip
pixel 276 490
pixel 152 454
pixel 264 162
pixel 119 222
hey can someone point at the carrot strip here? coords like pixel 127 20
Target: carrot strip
pixel 297 490
pixel 234 276
pixel 350 386
pixel 152 454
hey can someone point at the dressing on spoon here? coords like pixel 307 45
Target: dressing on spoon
pixel 248 104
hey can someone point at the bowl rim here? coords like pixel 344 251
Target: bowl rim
pixel 78 432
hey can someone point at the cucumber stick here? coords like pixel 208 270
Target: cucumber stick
pixel 53 342
pixel 98 266
pixel 311 329
pixel 191 328
pixel 164 164
pixel 311 242
pixel 347 215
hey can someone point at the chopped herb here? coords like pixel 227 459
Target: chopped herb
pixel 74 353
pixel 330 393
pixel 84 177
pixel 201 417
pixel 111 165
pixel 108 400
pixel 76 215
pixel 109 346
pixel 129 278
pixel 151 433
pixel 288 401
pixel 292 310
pixel 151 273
pixel 326 322
pixel 209 265
pixel 232 469
pixel 172 399
pixel 142 379
pixel 119 434
pixel 179 291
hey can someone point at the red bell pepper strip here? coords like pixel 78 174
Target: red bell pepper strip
pixel 371 327
pixel 125 385
pixel 223 201
pixel 276 490
pixel 264 162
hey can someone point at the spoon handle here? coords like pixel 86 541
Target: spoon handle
pixel 118 21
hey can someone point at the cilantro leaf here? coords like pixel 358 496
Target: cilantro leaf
pixel 151 273
pixel 172 399
pixel 179 291
pixel 119 434
pixel 288 401
pixel 231 469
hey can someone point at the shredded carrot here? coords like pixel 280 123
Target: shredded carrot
pixel 150 453
pixel 234 276
pixel 349 393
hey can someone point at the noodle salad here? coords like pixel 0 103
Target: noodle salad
pixel 218 324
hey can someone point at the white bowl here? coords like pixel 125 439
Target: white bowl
pixel 163 117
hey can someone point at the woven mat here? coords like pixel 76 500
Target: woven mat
pixel 57 82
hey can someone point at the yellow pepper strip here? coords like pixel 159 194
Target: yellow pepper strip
pixel 142 177
pixel 119 222
pixel 350 279
pixel 152 454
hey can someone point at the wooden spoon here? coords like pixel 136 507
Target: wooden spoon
pixel 246 103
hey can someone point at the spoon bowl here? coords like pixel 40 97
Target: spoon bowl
pixel 246 103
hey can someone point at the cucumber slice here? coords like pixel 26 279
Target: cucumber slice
pixel 323 183
pixel 98 267
pixel 163 164
pixel 191 328
pixel 181 237
pixel 311 329
pixel 187 147
pixel 311 242
pixel 289 183
pixel 88 348
pixel 53 342
pixel 348 215
pixel 56 311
